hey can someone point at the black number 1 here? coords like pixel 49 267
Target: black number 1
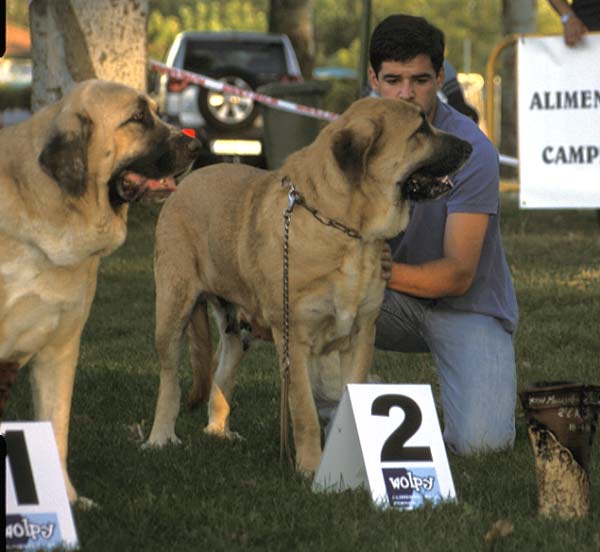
pixel 20 466
pixel 393 449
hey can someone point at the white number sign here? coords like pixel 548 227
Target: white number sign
pixel 387 438
pixel 38 514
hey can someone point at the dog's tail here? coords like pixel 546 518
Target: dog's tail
pixel 201 356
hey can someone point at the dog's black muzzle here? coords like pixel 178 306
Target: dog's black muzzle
pixel 431 180
pixel 153 176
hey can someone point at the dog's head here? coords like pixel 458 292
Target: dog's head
pixel 110 135
pixel 387 151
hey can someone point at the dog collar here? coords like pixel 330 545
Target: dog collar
pixel 297 198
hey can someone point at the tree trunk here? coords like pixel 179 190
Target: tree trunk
pixel 295 18
pixel 518 17
pixel 74 40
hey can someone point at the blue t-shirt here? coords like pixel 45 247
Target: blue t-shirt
pixel 589 12
pixel 476 190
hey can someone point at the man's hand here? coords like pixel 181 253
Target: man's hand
pixel 386 262
pixel 452 274
pixel 573 30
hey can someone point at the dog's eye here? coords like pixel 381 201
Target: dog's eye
pixel 138 117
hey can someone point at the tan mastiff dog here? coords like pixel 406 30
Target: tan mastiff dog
pixel 66 177
pixel 220 241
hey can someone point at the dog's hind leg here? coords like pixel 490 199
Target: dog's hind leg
pixel 230 353
pixel 201 356
pixel 175 301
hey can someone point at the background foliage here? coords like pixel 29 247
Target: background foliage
pixel 169 17
pixel 337 24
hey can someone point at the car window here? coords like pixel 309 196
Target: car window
pixel 206 57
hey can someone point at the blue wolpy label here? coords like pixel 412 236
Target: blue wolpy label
pixel 411 488
pixel 32 531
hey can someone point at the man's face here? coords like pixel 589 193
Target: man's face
pixel 413 80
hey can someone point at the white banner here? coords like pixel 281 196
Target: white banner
pixel 559 122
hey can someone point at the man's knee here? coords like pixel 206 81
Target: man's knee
pixel 474 438
pixel 399 325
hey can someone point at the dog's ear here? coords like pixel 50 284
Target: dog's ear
pixel 354 144
pixel 64 156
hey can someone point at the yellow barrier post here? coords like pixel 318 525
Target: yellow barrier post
pixel 489 83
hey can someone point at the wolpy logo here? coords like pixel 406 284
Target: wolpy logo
pixel 32 531
pixel 2 27
pixel 409 488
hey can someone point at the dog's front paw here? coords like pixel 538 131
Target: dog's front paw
pixel 305 474
pixel 221 432
pixel 305 471
pixel 161 441
pixel 82 503
pixel 307 464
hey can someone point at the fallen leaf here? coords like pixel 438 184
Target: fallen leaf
pixel 500 528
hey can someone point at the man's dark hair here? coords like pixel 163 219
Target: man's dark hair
pixel 402 38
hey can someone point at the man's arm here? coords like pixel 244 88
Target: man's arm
pixel 453 274
pixel 573 27
pixel 561 7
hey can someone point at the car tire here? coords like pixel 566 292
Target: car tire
pixel 226 111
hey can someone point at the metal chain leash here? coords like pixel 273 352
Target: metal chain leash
pixel 295 197
pixel 284 446
pixel 327 221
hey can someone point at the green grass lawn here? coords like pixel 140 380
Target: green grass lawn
pixel 213 495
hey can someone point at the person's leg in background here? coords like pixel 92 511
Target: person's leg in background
pixel 400 323
pixel 474 355
pixel 476 366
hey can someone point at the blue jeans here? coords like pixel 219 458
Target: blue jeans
pixel 475 358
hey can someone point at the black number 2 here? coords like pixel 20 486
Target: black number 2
pixel 393 449
pixel 20 466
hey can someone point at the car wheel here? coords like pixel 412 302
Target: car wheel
pixel 227 111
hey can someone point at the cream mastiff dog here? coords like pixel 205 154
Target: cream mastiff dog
pixel 220 242
pixel 67 176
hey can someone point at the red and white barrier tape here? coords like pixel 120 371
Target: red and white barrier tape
pixel 276 103
pixel 219 86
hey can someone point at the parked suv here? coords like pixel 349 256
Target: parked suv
pixel 229 125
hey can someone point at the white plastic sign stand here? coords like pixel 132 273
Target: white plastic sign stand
pixel 387 439
pixel 38 514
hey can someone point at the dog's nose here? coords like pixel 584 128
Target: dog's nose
pixel 194 146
